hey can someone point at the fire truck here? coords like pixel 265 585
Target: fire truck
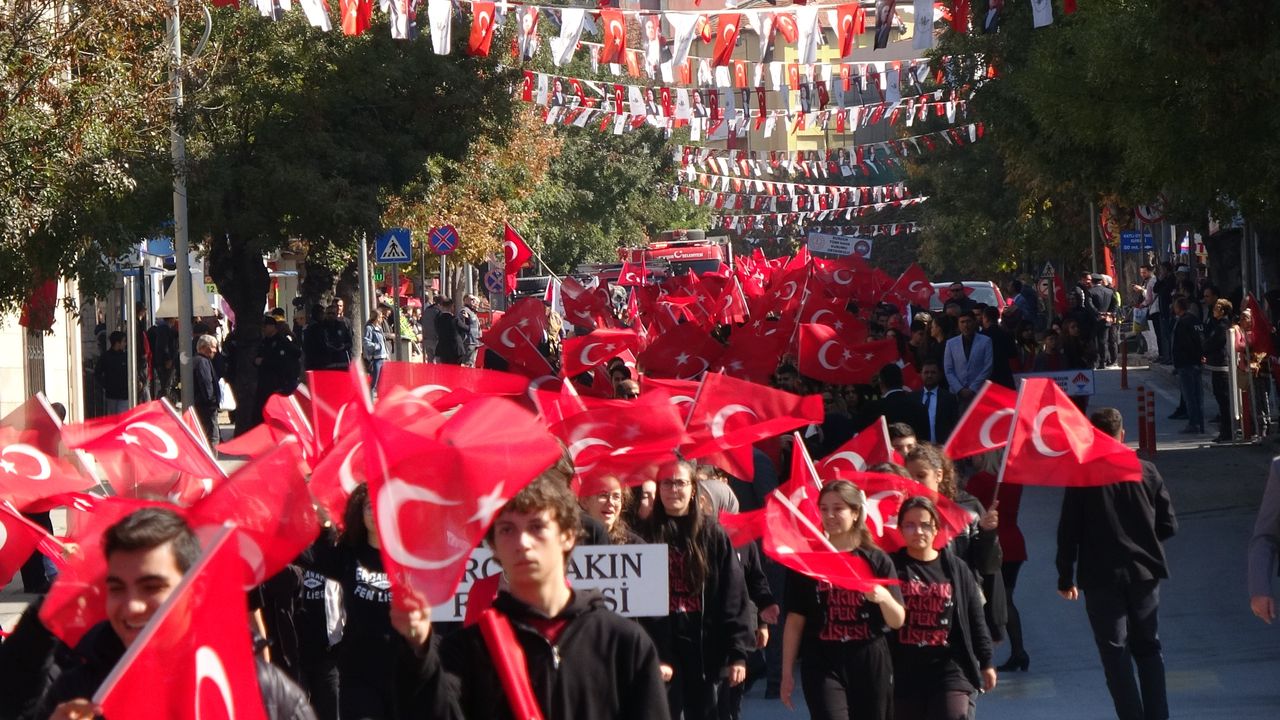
pixel 681 251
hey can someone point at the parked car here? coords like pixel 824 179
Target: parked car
pixel 980 291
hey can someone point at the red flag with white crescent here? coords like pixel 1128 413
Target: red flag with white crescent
pixel 198 641
pixel 912 287
pixel 19 537
pixel 28 474
pixel 584 352
pixel 849 28
pixel 1054 444
pixel 986 423
pixel 683 352
pixel 482 27
pixel 614 25
pixel 868 448
pixel 884 497
pixel 516 253
pixel 726 38
pixel 150 433
pixel 827 356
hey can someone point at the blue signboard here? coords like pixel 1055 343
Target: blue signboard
pixel 1130 242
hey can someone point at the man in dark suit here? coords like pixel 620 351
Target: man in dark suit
pixel 1003 350
pixel 896 404
pixel 941 407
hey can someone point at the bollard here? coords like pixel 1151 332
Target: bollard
pixel 1151 425
pixel 1142 422
pixel 1124 362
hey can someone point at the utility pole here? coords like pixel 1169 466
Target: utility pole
pixel 181 243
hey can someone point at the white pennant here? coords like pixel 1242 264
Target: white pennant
pixel 316 14
pixel 807 36
pixel 563 47
pixel 682 35
pixel 1041 13
pixel 440 19
pixel 922 30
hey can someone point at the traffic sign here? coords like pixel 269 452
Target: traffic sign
pixel 1130 241
pixel 1152 212
pixel 495 282
pixel 392 247
pixel 443 240
pixel 1048 271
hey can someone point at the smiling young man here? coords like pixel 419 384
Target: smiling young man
pixel 581 660
pixel 147 554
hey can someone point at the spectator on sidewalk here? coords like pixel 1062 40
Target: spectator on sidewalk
pixel 1188 361
pixel 1264 549
pixel 1217 333
pixel 469 329
pixel 208 392
pixel 112 373
pixel 375 347
pixel 448 341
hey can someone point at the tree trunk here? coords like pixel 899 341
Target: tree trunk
pixel 237 267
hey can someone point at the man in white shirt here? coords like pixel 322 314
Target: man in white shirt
pixel 967 359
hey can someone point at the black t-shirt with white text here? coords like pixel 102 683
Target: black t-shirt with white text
pixel 836 615
pixel 924 648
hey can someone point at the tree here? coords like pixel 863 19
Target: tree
pixel 82 94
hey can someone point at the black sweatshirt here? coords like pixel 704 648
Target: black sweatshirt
pixel 1114 532
pixel 601 667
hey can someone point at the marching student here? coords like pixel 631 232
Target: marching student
pixel 607 501
pixel 579 659
pixel 147 553
pixel 942 653
pixel 707 632
pixel 839 635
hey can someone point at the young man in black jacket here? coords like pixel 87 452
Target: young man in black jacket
pixel 147 554
pixel 582 661
pixel 1110 546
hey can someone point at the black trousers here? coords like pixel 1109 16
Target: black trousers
pixel 689 695
pixel 320 679
pixel 850 681
pixel 1125 626
pixel 1222 395
pixel 34 578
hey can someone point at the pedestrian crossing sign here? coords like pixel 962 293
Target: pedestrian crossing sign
pixel 392 246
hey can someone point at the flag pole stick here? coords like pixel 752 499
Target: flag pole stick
pixel 1013 426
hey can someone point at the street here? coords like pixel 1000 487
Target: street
pixel 1221 661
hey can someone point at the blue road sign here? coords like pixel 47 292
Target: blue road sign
pixel 443 240
pixel 392 247
pixel 495 281
pixel 1129 241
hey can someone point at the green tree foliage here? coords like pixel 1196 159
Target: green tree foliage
pixel 1118 102
pixel 82 94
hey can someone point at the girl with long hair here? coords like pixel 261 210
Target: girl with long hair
pixel 839 635
pixel 942 653
pixel 607 501
pixel 706 634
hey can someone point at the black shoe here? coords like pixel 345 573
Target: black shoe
pixel 1019 662
pixel 1178 415
pixel 1223 439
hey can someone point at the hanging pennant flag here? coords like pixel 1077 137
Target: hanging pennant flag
pixel 1041 13
pixel 922 35
pixel 440 18
pixel 481 28
pixel 357 16
pixel 615 36
pixel 402 16
pixel 884 22
pixel 527 39
pixel 516 253
pixel 563 47
pixel 726 38
pixel 847 31
pixel 681 35
pixel 960 14
pixel 317 14
pixel 991 22
pixel 807 34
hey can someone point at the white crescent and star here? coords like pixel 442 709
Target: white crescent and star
pixel 822 355
pixel 836 276
pixel 42 460
pixel 791 292
pixel 1037 432
pixel 393 495
pixel 858 462
pixel 697 372
pixel 584 357
pixel 209 667
pixel 346 478
pixel 509 251
pixel 814 317
pixel 170 448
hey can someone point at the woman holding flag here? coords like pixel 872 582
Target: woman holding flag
pixel 942 653
pixel 707 632
pixel 839 635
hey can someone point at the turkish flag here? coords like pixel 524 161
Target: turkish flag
pixel 785 23
pixel 584 352
pixel 680 393
pixel 199 642
pixel 869 447
pixel 481 28
pixel 960 15
pixel 615 35
pixel 584 306
pixel 334 398
pixel 337 475
pixel 516 253
pixel 825 355
pixel 77 600
pixel 743 527
pixel 912 287
pixel 726 38
pixel 752 358
pixel 787 292
pixel 435 497
pixel 357 16
pixel 884 497
pixel 683 353
pixel 631 275
pixel 1054 444
pixel 38 426
pixel 257 441
pixel 151 434
pixel 630 439
pixel 852 21
pixel 521 354
pixel 730 413
pixel 529 315
pixel 1260 340
pixel 986 423
pixel 444 386
pixel 28 473
pixel 19 537
pixel 268 501
pixel 286 413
